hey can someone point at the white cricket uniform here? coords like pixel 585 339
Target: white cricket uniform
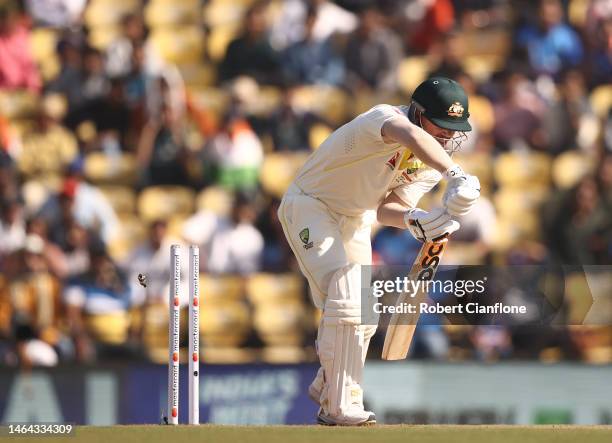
pixel 328 210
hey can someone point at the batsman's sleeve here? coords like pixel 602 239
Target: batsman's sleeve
pixel 372 121
pixel 411 193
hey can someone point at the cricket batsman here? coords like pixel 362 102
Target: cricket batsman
pixel 376 166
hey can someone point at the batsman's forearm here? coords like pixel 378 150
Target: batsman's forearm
pixel 422 144
pixel 391 214
pixel 391 211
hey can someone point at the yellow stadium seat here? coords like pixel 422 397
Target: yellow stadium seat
pixel 411 72
pixel 317 135
pixel 483 42
pixel 570 167
pixel 269 288
pixel 198 75
pixel 218 40
pixel 132 232
pixel 266 101
pixel 284 354
pixel 100 37
pixel 216 199
pixel 523 169
pixel 512 203
pixel 326 101
pixel 219 288
pixel 108 12
pixel 212 99
pixel 227 355
pixel 279 169
pixel 577 12
pixel 218 14
pixel 601 100
pixel 181 45
pixel 485 51
pixel 225 323
pixel 110 329
pixel 478 164
pixel 174 14
pixel 42 45
pixel 102 169
pixel 175 225
pixel 121 198
pixel 280 323
pixel 163 202
pixel 17 104
pixel 481 112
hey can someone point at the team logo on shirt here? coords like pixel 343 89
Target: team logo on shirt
pixel 305 236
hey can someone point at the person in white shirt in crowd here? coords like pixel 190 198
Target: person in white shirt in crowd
pixel 228 245
pixel 290 26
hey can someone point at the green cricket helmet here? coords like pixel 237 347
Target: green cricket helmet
pixel 444 102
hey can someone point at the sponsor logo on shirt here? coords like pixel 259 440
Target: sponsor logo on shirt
pixel 408 164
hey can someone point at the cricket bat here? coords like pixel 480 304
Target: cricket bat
pixel 402 325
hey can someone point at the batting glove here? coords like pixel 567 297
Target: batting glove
pixel 462 191
pixel 433 225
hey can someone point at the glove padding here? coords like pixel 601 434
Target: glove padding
pixel 461 194
pixel 433 225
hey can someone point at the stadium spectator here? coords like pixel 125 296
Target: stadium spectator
pixel 551 44
pixel 56 13
pixel 276 255
pixel 372 54
pixel 577 225
pixel 96 84
pixel 491 342
pixel 161 152
pixel 289 126
pixel 447 54
pixel 432 19
pixel 82 202
pixel 12 227
pixel 120 53
pixel 251 53
pixel 48 147
pixel 571 121
pixel 97 304
pixel 137 85
pixel 76 254
pixel 69 80
pixel 228 245
pixel 52 254
pixel 151 259
pixel 312 61
pixel 17 69
pixel 600 53
pixel 521 105
pixel 290 26
pixel 235 153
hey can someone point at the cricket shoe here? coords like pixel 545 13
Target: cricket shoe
pixel 356 417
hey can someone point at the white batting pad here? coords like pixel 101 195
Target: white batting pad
pixel 341 341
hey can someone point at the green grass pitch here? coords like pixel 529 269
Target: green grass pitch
pixel 321 434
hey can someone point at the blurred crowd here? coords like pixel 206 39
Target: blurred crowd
pixel 130 125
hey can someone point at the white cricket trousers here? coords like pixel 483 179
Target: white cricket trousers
pixel 328 240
